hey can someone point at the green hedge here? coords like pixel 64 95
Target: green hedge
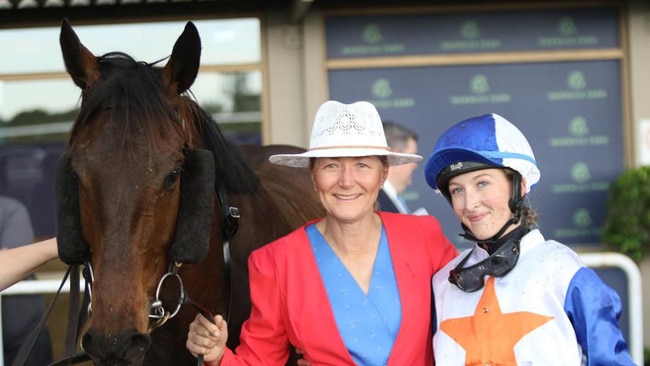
pixel 627 222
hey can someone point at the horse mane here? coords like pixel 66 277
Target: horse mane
pixel 230 167
pixel 133 92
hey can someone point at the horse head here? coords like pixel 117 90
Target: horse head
pixel 136 189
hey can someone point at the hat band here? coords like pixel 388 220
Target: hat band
pixel 350 147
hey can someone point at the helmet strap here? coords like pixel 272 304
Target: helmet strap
pixel 516 199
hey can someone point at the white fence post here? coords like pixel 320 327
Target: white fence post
pixel 634 291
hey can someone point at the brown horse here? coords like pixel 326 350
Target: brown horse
pixel 147 191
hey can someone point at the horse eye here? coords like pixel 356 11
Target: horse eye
pixel 171 178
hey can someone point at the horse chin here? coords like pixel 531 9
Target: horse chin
pixel 113 362
pixel 134 360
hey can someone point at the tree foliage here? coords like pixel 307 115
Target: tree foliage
pixel 627 222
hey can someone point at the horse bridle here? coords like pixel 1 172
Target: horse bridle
pixel 230 228
pixel 157 310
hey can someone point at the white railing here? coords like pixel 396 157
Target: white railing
pixel 634 292
pixel 593 260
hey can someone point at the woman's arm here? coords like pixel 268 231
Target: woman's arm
pixel 18 263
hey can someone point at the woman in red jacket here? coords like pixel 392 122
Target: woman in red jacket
pixel 352 288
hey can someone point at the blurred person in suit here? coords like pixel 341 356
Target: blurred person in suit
pixel 400 139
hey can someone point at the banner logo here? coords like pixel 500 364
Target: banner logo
pixel 582 226
pixel 382 91
pixel 470 40
pixel 566 27
pixel 578 130
pixel 479 87
pixel 372 38
pixel 567 36
pixel 576 83
pixel 479 84
pixel 372 34
pixel 469 30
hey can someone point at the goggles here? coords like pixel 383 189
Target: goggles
pixel 498 264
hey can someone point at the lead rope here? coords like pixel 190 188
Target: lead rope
pixel 208 315
pixel 229 230
pixel 27 346
pixel 205 312
pixel 69 359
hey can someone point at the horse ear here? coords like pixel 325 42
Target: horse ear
pixel 183 65
pixel 69 240
pixel 196 208
pixel 80 63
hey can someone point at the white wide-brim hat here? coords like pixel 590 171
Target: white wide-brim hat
pixel 345 130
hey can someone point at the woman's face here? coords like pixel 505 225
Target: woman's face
pixel 348 187
pixel 480 201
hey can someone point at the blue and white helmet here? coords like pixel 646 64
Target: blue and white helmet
pixel 479 143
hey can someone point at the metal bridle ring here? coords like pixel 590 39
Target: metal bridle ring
pixel 157 303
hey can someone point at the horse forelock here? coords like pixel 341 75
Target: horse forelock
pixel 130 94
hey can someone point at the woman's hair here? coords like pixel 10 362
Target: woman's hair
pixel 384 160
pixel 528 216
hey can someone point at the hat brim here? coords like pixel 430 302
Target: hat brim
pixel 302 160
pixel 442 159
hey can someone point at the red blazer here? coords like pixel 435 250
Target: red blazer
pixel 289 303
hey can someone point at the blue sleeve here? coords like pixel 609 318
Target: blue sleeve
pixel 594 309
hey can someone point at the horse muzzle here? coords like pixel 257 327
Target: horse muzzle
pixel 126 349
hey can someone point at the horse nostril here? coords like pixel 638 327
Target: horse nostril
pixel 87 342
pixel 128 347
pixel 139 344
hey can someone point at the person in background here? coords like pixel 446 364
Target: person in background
pixel 22 313
pixel 402 140
pixel 351 288
pixel 515 298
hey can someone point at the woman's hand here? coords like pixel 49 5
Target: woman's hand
pixel 302 361
pixel 207 338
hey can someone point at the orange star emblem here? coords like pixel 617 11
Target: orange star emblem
pixel 489 336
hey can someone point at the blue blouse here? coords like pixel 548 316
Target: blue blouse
pixel 368 324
